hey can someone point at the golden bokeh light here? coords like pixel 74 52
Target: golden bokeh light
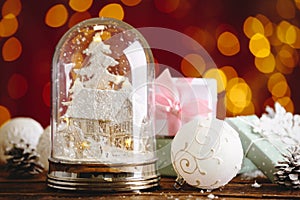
pixel 11 49
pixel 17 86
pixel 219 76
pixel 8 25
pixel 78 17
pixel 232 109
pixel 274 79
pixel 13 7
pixel 131 2
pixel 259 46
pixel 267 25
pixel 279 89
pixel 105 35
pixel 204 38
pixel 113 10
pixel 56 16
pixel 287 94
pixel 240 95
pixel 4 114
pixel 297 2
pixel 193 65
pixel 166 6
pixel 249 110
pixel 286 32
pixel 228 44
pixel 229 71
pixel 296 44
pixel 271 34
pixel 288 56
pixel 291 35
pixel 286 9
pixel 80 5
pixel 252 26
pixel 273 39
pixel 265 65
pixel 234 81
pixel 281 67
pixel 76 59
pixel 269 29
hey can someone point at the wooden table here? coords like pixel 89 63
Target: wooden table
pixel 238 188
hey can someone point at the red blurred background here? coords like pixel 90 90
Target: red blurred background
pixel 255 45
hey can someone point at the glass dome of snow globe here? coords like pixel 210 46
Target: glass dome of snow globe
pixel 102 132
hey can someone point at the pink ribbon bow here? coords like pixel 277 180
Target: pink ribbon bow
pixel 176 102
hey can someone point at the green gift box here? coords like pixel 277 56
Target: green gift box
pixel 263 152
pixel 163 153
pixel 247 166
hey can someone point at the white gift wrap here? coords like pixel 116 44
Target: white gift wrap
pixel 204 89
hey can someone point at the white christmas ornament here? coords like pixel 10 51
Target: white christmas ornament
pixel 43 147
pixel 278 122
pixel 206 153
pixel 17 129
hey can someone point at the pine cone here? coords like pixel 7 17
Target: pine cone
pixel 288 173
pixel 22 161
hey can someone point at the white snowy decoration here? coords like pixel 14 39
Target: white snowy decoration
pixel 278 122
pixel 92 96
pixel 98 118
pixel 95 75
pixel 77 87
pixel 101 105
pixel 16 130
pixel 73 144
pixel 43 147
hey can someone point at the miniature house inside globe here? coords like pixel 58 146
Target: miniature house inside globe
pixel 102 124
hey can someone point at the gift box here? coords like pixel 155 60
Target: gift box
pixel 247 166
pixel 264 151
pixel 180 100
pixel 163 153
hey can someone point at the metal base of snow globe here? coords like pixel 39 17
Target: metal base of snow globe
pixel 101 177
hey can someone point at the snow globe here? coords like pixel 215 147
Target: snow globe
pixel 102 135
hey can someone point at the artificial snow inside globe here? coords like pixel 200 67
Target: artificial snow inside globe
pixel 102 100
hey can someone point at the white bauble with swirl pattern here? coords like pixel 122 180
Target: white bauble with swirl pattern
pixel 207 153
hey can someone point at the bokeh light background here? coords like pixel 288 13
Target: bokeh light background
pixel 255 45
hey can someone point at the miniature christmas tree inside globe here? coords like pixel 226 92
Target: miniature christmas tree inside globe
pixel 101 106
